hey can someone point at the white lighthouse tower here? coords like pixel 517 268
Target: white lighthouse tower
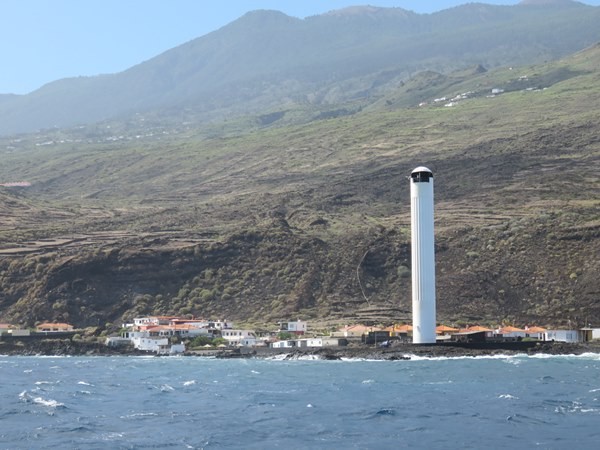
pixel 423 255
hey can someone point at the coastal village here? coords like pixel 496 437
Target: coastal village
pixel 173 335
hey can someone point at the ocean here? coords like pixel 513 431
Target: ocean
pixel 545 402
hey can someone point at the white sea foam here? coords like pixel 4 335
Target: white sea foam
pixel 309 406
pixel 47 402
pixel 136 415
pixel 166 388
pixel 84 383
pixel 308 358
pixel 368 381
pixel 508 396
pixel 255 371
pixel 39 383
pixel 27 371
pixel 189 383
pixel 279 357
pixel 25 397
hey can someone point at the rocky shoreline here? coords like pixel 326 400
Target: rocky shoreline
pixel 67 347
pixel 410 351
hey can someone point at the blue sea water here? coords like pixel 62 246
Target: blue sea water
pixel 189 402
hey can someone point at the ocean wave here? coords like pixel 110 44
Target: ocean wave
pixel 48 402
pixel 189 383
pixel 294 357
pixel 84 383
pixel 24 396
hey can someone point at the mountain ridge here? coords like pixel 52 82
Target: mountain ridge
pixel 242 60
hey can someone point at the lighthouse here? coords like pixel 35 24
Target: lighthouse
pixel 423 256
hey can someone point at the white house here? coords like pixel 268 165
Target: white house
pixel 333 341
pixel 297 327
pixel 564 335
pixel 20 332
pixel 235 337
pixel 283 344
pixel 310 343
pixel 535 333
pixel 149 344
pixel 220 324
pixel 511 332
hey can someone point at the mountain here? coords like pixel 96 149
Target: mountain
pixel 265 59
pixel 303 211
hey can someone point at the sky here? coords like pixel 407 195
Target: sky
pixel 46 40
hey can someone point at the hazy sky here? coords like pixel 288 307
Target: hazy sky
pixel 45 40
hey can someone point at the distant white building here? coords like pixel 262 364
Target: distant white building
pixel 20 332
pixel 235 337
pixel 564 335
pixel 297 327
pixel 310 343
pixel 283 344
pixel 220 324
pixel 148 344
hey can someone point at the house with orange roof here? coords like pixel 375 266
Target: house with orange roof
pixel 355 331
pixel 535 332
pixel 399 331
pixel 54 327
pixel 511 332
pixel 445 330
pixel 475 329
pixel 474 333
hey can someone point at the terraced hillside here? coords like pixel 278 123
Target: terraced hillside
pixel 257 219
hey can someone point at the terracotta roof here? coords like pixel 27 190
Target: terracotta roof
pixel 445 329
pixel 54 325
pixel 398 328
pixel 475 328
pixel 507 330
pixel 359 328
pixel 535 330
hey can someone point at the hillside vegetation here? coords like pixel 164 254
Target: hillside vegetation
pixel 304 211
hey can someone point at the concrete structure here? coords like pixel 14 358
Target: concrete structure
pixel 423 256
pixel 20 332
